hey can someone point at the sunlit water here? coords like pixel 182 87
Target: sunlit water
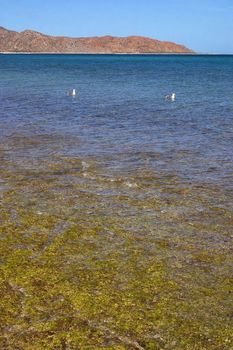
pixel 144 177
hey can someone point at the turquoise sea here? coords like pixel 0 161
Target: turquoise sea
pixel 116 206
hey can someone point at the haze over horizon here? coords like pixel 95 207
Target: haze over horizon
pixel 204 26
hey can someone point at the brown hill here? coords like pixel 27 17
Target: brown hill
pixel 31 41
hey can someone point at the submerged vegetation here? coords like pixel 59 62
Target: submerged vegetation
pixel 96 258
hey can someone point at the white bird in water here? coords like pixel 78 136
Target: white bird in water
pixel 171 97
pixel 72 93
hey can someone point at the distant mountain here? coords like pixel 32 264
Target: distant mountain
pixel 31 41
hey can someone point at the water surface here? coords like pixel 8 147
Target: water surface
pixel 116 206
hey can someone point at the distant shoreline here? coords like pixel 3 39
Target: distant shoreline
pixel 118 53
pixel 97 53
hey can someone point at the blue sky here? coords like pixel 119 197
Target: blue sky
pixel 203 25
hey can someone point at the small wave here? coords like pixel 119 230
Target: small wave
pixel 85 165
pixel 131 184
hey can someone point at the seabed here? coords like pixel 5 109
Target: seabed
pixel 98 258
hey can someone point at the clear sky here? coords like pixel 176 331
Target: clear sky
pixel 203 25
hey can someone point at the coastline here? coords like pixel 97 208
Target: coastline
pixel 118 53
pixel 99 53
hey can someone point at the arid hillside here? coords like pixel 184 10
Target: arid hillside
pixel 31 41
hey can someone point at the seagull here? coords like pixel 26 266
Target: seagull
pixel 72 93
pixel 171 97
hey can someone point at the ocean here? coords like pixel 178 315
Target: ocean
pixel 120 110
pixel 130 193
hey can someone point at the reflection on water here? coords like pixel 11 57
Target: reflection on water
pixel 116 207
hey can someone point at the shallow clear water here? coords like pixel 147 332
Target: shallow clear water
pixel 116 207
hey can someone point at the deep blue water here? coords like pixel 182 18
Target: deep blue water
pixel 120 114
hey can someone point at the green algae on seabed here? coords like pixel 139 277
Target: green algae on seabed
pixel 92 261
